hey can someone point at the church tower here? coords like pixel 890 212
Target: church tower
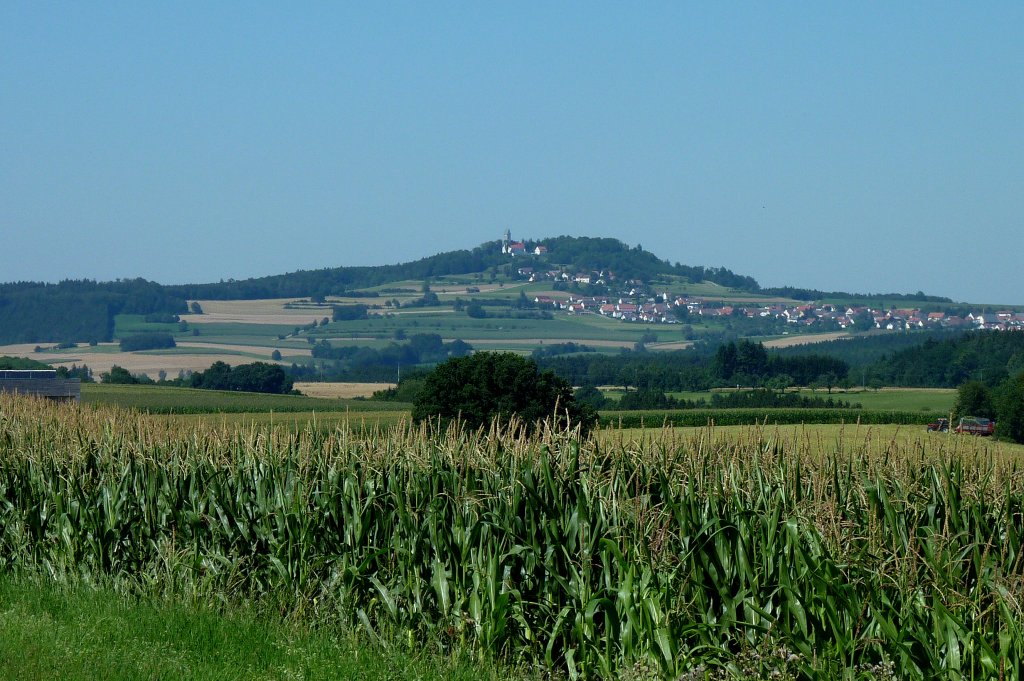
pixel 506 242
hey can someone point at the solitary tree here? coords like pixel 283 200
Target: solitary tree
pixel 486 386
pixel 973 398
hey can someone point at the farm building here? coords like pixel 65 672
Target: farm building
pixel 41 383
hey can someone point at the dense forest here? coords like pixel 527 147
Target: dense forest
pixel 986 356
pixel 77 310
pixel 865 350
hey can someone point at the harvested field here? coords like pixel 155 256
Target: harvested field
pixel 151 365
pixel 250 349
pixel 675 345
pixel 104 356
pixel 806 339
pixel 342 391
pixel 267 311
pixel 542 341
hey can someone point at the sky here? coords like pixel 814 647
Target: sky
pixel 866 147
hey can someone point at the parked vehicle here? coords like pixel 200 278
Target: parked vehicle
pixel 939 426
pixel 976 426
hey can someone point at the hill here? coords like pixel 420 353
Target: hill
pixel 85 311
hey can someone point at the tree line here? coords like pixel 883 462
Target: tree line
pixel 733 363
pixel 256 377
pixel 990 357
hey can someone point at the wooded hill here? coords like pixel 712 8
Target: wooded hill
pixel 84 310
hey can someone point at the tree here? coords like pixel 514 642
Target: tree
pixel 1010 401
pixel 829 380
pixel 780 382
pixel 973 398
pixel 195 307
pixel 276 355
pixel 486 386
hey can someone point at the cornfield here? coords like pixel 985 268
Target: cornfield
pixel 674 556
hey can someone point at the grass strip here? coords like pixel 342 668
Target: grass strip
pixel 49 631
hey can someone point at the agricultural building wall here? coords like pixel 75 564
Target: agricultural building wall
pixel 40 383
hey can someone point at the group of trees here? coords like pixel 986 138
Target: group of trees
pixel 749 364
pixel 257 377
pixel 480 388
pixel 421 348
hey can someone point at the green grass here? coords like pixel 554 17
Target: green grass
pixel 902 399
pixel 129 324
pixel 59 632
pixel 167 399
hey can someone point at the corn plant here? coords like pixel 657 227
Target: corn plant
pixel 678 554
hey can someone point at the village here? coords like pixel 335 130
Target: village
pixel 667 309
pixel 635 303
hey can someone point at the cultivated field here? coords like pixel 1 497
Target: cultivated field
pixel 343 391
pixel 804 339
pixel 266 311
pixel 187 356
pixel 704 553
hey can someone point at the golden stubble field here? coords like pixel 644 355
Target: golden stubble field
pixel 266 311
pixel 341 391
pixel 105 355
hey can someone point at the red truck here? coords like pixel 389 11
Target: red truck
pixel 976 426
pixel 940 426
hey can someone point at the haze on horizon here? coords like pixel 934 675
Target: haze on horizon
pixel 833 146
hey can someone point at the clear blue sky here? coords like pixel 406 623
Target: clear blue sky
pixel 856 146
